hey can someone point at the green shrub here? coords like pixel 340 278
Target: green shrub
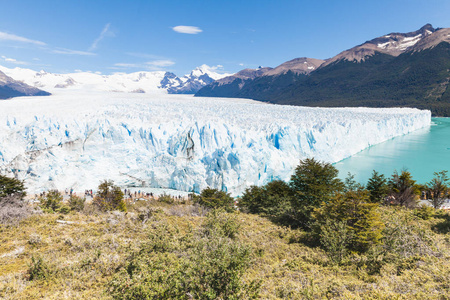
pixel 218 266
pixel 52 201
pixel 38 269
pixel 213 198
pixel 166 199
pixel 220 223
pixel 272 200
pixel 312 183
pixel 11 187
pixel 335 238
pixel 76 203
pixel 109 197
pixel 207 264
pixel 360 216
pixel 424 212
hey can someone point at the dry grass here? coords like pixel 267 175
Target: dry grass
pixel 84 256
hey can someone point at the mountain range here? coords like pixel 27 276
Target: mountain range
pixel 398 69
pixel 10 88
pixel 25 82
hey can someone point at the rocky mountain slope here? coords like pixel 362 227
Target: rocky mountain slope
pixel 10 88
pixel 397 69
pixel 250 83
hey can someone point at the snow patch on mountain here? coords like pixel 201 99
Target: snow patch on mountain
pixel 76 139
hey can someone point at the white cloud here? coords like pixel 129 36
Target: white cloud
pixel 241 64
pixel 13 61
pixel 160 63
pixel 12 37
pixel 126 65
pixel 71 52
pixel 144 55
pixel 187 29
pixel 154 65
pixel 218 67
pixel 105 32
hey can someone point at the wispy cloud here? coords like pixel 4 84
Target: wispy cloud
pixel 127 65
pixel 145 55
pixel 160 63
pixel 187 29
pixel 154 65
pixel 105 33
pixel 12 37
pixel 71 52
pixel 13 60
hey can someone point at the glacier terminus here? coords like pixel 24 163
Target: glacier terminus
pixel 75 139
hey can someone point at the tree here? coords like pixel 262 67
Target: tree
pixel 312 184
pixel 52 200
pixel 109 197
pixel 213 198
pixel 76 203
pixel 403 189
pixel 438 189
pixel 11 187
pixel 350 183
pixel 361 217
pixel 377 187
pixel 272 200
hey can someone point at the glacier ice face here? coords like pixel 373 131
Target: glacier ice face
pixel 76 139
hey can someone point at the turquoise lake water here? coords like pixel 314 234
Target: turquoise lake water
pixel 421 152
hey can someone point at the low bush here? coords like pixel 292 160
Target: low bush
pixel 213 198
pixel 205 264
pixel 13 209
pixel 109 197
pixel 38 269
pixel 76 203
pixel 51 201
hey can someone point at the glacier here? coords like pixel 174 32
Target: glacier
pixel 75 139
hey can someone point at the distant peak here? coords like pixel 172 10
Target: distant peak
pixel 427 26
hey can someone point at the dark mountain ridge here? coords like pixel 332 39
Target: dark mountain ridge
pixel 398 69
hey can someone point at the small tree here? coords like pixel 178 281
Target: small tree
pixel 403 189
pixel 350 183
pixel 438 189
pixel 361 217
pixel 272 200
pixel 213 198
pixel 312 184
pixel 334 238
pixel 11 187
pixel 109 197
pixel 76 203
pixel 52 200
pixel 377 187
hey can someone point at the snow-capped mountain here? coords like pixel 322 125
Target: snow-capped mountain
pixel 138 82
pixel 392 44
pixel 191 83
pixel 10 88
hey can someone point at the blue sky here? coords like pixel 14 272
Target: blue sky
pixel 110 36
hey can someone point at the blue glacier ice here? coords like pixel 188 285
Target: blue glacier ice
pixel 75 139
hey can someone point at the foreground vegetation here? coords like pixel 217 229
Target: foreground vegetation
pixel 314 237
